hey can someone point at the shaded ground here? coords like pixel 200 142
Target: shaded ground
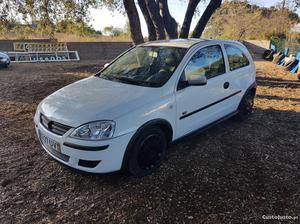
pixel 232 173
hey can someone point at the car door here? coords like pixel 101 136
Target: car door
pixel 198 106
pixel 241 73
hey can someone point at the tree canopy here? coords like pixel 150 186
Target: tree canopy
pixel 47 14
pixel 240 20
pixel 236 19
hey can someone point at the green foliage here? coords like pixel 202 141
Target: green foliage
pixel 47 16
pixel 279 42
pixel 116 32
pixel 78 28
pixel 240 20
pixel 112 4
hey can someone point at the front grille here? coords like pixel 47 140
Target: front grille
pixel 54 127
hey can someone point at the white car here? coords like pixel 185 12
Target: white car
pixel 4 60
pixel 125 116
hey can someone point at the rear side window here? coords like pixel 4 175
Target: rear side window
pixel 237 59
pixel 207 61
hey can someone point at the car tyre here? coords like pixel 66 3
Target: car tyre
pixel 147 152
pixel 246 106
pixel 268 55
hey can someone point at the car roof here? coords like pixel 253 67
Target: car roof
pixel 181 43
pixel 187 43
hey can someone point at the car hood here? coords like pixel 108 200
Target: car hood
pixel 3 55
pixel 93 99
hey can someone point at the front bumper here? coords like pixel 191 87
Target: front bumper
pixel 103 157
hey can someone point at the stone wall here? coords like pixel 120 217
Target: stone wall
pixel 99 50
pixel 86 50
pixel 257 47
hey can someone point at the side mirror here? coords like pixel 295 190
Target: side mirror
pixel 197 80
pixel 107 64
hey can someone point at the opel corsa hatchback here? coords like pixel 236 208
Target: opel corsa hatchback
pixel 125 116
pixel 4 60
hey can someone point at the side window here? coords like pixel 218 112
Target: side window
pixel 237 59
pixel 207 61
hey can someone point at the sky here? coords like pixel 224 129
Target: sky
pixel 103 17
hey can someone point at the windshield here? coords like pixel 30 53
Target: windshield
pixel 145 65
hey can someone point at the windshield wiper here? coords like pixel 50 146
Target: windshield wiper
pixel 133 81
pixel 100 75
pixel 124 79
pixel 127 80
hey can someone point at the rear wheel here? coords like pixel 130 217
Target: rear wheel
pixel 246 106
pixel 147 152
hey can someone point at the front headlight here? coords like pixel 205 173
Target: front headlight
pixel 98 130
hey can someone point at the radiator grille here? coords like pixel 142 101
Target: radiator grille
pixel 54 127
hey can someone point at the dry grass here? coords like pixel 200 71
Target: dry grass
pixel 61 37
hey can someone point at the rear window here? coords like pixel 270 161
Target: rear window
pixel 237 59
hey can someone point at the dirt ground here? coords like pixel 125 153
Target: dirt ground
pixel 233 173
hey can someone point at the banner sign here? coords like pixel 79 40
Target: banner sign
pixel 42 52
pixel 39 47
pixel 43 56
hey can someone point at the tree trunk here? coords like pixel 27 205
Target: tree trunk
pixel 134 21
pixel 209 11
pixel 153 9
pixel 150 25
pixel 185 29
pixel 283 4
pixel 47 20
pixel 169 22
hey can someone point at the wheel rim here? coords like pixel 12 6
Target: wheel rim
pixel 151 152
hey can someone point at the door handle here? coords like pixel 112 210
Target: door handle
pixel 226 85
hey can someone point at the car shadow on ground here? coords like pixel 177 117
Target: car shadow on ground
pixel 234 170
pixel 268 97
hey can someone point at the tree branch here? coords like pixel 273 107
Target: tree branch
pixel 169 22
pixel 185 29
pixel 209 11
pixel 150 25
pixel 153 9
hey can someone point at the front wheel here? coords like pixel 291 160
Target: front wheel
pixel 246 106
pixel 147 152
